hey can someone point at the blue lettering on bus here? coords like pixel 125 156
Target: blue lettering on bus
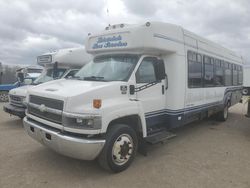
pixel 109 42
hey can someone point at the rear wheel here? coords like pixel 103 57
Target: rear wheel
pixel 120 148
pixel 223 115
pixel 4 96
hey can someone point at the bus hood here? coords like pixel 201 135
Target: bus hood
pixel 68 88
pixel 20 91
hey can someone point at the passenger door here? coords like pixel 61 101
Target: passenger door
pixel 151 86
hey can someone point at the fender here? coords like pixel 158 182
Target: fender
pixel 123 109
pixel 228 94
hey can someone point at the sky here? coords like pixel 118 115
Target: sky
pixel 29 28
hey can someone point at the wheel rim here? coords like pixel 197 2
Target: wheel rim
pixel 122 149
pixel 225 112
pixel 4 97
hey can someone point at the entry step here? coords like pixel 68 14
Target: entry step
pixel 160 137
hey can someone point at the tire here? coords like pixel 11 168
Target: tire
pixel 120 148
pixel 4 96
pixel 223 115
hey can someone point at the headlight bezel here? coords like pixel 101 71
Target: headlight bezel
pixel 82 121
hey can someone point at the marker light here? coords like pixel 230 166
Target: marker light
pixel 97 103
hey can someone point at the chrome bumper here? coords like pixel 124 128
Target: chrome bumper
pixel 79 148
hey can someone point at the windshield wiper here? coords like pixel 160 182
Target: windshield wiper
pixel 94 78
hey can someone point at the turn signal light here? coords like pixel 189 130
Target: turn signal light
pixel 97 103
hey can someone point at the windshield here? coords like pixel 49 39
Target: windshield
pixel 48 75
pixel 108 68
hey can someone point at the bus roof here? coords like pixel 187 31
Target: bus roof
pixel 65 57
pixel 154 38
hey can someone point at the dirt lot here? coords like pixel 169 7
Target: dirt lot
pixel 204 154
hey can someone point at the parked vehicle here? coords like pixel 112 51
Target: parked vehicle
pixel 25 76
pixel 246 81
pixel 63 63
pixel 29 71
pixel 144 81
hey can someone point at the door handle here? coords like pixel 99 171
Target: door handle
pixel 162 89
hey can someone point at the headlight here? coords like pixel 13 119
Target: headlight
pixel 85 122
pixel 24 101
pixel 82 121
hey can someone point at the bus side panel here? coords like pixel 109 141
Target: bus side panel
pixel 175 94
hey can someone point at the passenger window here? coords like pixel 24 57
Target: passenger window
pixel 146 73
pixel 240 76
pixel 218 73
pixel 228 74
pixel 194 70
pixel 235 75
pixel 208 72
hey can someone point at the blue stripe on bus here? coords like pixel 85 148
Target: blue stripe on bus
pixel 189 109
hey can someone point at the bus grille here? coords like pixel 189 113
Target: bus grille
pixel 52 104
pixel 16 101
pixel 55 118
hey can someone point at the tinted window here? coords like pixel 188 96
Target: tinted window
pixel 240 76
pixel 146 72
pixel 218 73
pixel 208 72
pixel 228 74
pixel 235 75
pixel 212 72
pixel 194 70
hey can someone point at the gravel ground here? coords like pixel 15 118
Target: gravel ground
pixel 204 154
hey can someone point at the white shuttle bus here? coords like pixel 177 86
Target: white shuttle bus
pixel 62 63
pixel 144 81
pixel 246 80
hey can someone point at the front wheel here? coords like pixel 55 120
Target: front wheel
pixel 120 148
pixel 4 96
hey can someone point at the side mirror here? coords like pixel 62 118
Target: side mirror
pixel 20 77
pixel 18 84
pixel 55 70
pixel 161 74
pixel 131 89
pixel 28 81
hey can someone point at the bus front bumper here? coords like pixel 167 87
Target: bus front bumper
pixel 14 110
pixel 72 146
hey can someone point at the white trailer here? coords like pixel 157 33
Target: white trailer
pixel 58 64
pixel 144 81
pixel 246 81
